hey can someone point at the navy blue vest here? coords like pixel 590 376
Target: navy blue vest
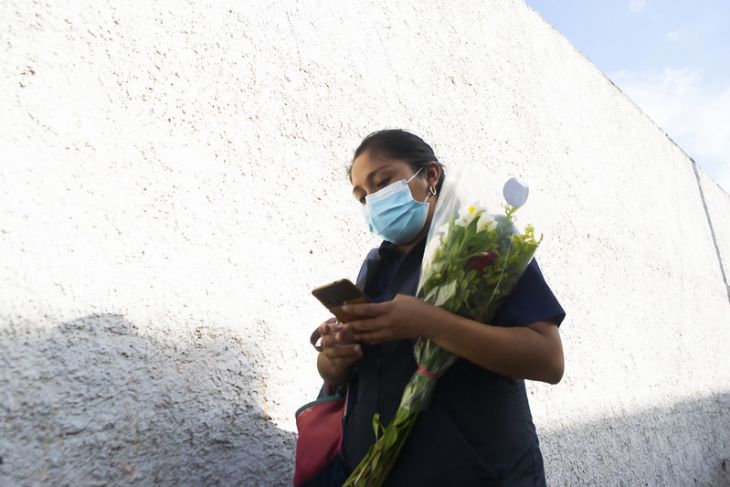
pixel 478 429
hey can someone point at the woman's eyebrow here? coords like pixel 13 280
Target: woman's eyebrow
pixel 370 177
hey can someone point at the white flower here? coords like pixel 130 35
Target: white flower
pixel 486 222
pixel 467 214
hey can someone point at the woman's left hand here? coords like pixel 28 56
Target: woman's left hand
pixel 402 317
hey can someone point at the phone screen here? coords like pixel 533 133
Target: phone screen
pixel 337 293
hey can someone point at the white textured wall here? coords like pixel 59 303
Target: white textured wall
pixel 172 186
pixel 718 212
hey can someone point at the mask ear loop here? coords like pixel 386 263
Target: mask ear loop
pixel 414 174
pixel 431 189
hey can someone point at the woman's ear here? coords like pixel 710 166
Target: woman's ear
pixel 433 173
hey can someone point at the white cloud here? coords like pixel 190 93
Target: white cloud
pixel 636 6
pixel 695 116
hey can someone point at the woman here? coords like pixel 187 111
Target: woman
pixel 478 429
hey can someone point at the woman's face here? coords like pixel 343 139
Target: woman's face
pixel 371 173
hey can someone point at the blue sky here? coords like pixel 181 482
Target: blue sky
pixel 672 57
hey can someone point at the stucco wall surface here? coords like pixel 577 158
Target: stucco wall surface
pixel 718 211
pixel 173 186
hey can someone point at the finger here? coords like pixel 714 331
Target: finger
pixel 338 326
pixel 344 337
pixel 328 341
pixel 365 326
pixel 343 351
pixel 324 329
pixel 333 340
pixel 365 309
pixel 329 324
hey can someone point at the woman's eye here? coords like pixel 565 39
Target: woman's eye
pixel 382 183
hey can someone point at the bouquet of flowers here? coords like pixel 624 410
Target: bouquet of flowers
pixel 472 262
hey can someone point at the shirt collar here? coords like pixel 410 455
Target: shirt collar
pixel 392 249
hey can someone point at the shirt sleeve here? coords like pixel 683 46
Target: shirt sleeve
pixel 531 300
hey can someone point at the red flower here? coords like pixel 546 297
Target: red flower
pixel 482 261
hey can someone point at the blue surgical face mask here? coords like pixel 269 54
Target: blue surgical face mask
pixel 393 214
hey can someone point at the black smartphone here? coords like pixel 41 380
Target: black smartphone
pixel 335 294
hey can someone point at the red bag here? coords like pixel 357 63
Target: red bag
pixel 319 424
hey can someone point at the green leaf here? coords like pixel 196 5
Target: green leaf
pixel 445 293
pixel 391 435
pixel 432 295
pixel 376 425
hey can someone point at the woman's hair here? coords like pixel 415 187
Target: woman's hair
pixel 399 144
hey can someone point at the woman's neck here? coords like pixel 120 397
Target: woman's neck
pixel 406 247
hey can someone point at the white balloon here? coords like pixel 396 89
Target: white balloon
pixel 515 191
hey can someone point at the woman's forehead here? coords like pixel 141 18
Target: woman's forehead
pixel 366 164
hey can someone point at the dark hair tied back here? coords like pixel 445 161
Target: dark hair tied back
pixel 399 144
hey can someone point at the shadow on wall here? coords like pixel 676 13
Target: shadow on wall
pixel 93 402
pixel 685 444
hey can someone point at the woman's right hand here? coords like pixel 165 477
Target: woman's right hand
pixel 339 345
pixel 339 352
